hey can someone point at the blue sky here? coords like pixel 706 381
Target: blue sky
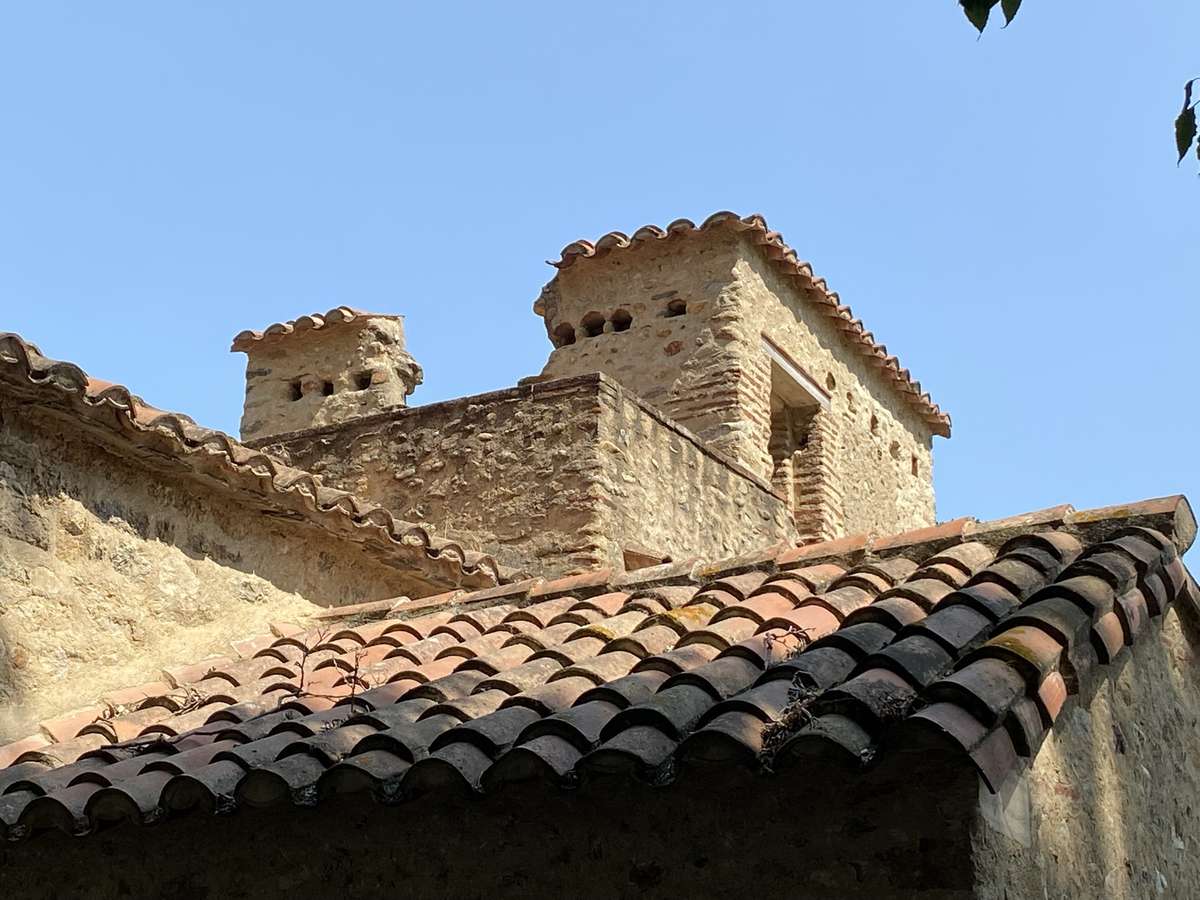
pixel 1005 212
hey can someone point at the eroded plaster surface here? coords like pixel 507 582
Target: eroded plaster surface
pixel 111 570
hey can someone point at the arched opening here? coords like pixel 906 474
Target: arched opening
pixel 564 335
pixel 593 324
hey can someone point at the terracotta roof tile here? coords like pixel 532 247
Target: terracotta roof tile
pixel 786 261
pixel 10 753
pixel 339 315
pixel 965 643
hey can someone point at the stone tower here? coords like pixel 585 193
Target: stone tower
pixel 324 370
pixel 722 328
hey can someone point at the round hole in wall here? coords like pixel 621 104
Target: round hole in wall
pixel 677 308
pixel 621 320
pixel 874 424
pixel 564 335
pixel 593 324
pixel 830 382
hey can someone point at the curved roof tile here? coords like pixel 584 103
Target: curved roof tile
pixel 986 681
pixel 339 315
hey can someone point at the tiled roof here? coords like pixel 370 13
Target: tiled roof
pixel 786 261
pixel 969 635
pixel 339 315
pixel 25 373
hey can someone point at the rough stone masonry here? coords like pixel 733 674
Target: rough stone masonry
pixel 730 376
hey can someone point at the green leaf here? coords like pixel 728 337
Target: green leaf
pixel 977 11
pixel 1185 131
pixel 1185 124
pixel 1010 8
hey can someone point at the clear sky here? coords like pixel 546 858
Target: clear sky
pixel 1005 212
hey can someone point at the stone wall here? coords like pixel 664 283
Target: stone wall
pixel 884 456
pixel 514 471
pixel 330 374
pixel 817 834
pixel 681 322
pixel 549 477
pixel 667 492
pixel 111 569
pixel 1111 806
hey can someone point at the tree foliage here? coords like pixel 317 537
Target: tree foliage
pixel 1185 124
pixel 979 11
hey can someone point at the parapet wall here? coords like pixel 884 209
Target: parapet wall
pixel 549 477
pixel 670 493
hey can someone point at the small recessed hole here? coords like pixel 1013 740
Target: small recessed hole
pixel 327 388
pixel 593 324
pixel 362 381
pixel 677 308
pixel 874 424
pixel 621 320
pixel 830 382
pixel 894 449
pixel 295 391
pixel 564 335
pixel 916 466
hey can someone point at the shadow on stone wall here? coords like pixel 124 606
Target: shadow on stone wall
pixel 1115 790
pixel 11 694
pixel 817 832
pixel 112 568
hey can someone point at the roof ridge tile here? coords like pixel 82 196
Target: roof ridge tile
pixel 302 324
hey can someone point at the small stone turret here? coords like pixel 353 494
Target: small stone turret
pixel 324 370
